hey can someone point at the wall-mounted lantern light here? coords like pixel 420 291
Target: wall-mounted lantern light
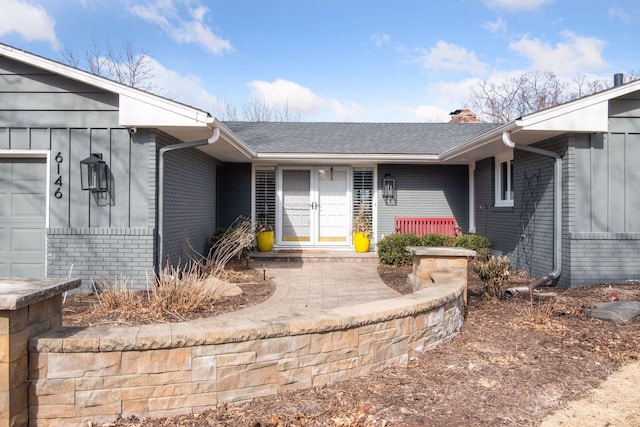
pixel 93 173
pixel 388 188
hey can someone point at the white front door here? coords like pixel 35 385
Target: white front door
pixel 314 206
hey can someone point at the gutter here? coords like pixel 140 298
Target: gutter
pixel 557 214
pixel 211 140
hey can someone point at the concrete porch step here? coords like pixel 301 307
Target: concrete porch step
pixel 314 255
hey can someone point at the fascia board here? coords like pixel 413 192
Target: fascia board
pixel 588 114
pixel 233 140
pixel 356 158
pixel 591 117
pixel 478 141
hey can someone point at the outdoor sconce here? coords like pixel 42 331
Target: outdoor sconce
pixel 388 188
pixel 93 173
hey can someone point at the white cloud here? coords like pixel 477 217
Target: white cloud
pixel 303 100
pixel 429 113
pixel 517 4
pixel 29 21
pixel 575 54
pixel 620 14
pixel 191 29
pixel 188 89
pixel 447 56
pixel 497 26
pixel 380 39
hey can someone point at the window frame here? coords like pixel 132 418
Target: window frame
pixel 506 202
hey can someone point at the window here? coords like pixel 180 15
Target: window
pixel 504 181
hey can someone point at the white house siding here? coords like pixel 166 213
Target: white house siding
pixel 47 113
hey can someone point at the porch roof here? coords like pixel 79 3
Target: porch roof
pixel 355 138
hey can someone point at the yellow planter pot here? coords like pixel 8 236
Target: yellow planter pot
pixel 264 241
pixel 361 242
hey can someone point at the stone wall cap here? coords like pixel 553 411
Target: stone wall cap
pixel 440 251
pixel 18 293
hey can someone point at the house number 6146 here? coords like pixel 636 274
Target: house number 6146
pixel 58 181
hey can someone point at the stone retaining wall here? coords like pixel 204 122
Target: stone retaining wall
pixel 100 373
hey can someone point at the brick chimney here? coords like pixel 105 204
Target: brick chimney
pixel 463 116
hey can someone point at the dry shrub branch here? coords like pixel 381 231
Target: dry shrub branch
pixel 541 311
pixel 233 242
pixel 494 274
pixel 176 292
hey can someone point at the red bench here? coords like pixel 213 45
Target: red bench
pixel 422 226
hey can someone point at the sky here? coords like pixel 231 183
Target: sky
pixel 339 60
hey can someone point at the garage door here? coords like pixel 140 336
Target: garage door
pixel 22 217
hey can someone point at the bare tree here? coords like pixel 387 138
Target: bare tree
pixel 516 96
pixel 257 109
pixel 531 92
pixel 127 64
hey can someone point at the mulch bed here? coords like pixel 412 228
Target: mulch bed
pixel 514 362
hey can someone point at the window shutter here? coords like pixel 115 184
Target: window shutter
pixel 266 197
pixel 363 190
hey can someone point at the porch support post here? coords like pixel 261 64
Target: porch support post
pixel 472 198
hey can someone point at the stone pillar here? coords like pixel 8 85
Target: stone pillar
pixel 28 307
pixel 431 264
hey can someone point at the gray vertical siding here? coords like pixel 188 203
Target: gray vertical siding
pixel 604 226
pixel 189 201
pixel 101 235
pixel 424 191
pixel 234 193
pixel 606 195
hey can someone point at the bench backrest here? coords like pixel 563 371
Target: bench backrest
pixel 422 226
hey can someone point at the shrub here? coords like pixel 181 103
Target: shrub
pixel 494 273
pixel 480 244
pixel 392 249
pixel 174 292
pixel 437 240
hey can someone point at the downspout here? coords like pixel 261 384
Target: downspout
pixel 211 140
pixel 557 214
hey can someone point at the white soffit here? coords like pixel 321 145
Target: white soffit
pixel 591 118
pixel 138 112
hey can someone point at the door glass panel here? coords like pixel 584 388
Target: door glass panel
pixel 296 202
pixel 333 218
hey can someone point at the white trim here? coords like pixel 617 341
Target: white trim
pixel 498 200
pixel 472 198
pixel 348 158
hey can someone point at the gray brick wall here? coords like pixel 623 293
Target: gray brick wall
pixel 234 192
pixel 604 258
pixel 189 201
pixel 100 253
pixel 424 191
pixel 524 233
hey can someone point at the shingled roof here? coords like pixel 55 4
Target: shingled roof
pixel 355 138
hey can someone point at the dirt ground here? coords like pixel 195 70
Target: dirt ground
pixel 516 362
